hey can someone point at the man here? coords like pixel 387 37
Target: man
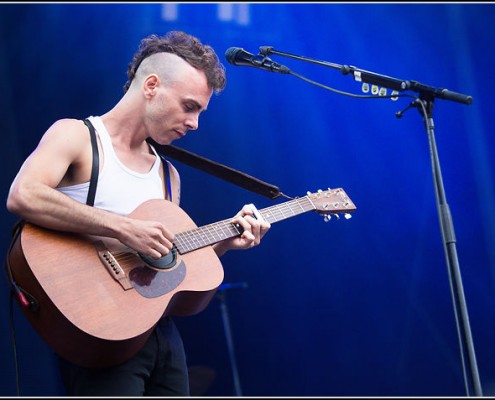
pixel 171 81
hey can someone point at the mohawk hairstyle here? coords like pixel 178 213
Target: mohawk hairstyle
pixel 189 48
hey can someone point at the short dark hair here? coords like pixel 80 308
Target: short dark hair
pixel 189 48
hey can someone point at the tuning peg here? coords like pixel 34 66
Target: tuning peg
pixel 327 218
pixel 347 216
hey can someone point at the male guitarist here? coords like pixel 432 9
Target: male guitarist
pixel 171 81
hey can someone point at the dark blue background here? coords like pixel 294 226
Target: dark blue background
pixel 358 307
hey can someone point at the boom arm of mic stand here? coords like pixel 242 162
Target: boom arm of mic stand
pixel 265 50
pixel 373 78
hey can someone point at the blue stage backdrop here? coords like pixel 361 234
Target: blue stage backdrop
pixel 352 307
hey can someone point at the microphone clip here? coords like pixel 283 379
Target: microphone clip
pixel 414 103
pixel 265 50
pixel 264 62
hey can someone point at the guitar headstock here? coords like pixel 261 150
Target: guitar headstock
pixel 332 201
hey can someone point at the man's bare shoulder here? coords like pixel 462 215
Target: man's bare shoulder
pixel 67 138
pixel 68 125
pixel 67 132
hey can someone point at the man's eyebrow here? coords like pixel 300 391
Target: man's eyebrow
pixel 196 104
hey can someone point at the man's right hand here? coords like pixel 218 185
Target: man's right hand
pixel 146 237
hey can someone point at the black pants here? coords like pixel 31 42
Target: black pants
pixel 158 369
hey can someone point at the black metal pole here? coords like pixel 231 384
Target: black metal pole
pixel 228 333
pixel 425 106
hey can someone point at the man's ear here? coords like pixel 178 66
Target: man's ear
pixel 151 84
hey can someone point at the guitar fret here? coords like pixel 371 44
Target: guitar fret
pixel 194 241
pixel 204 236
pixel 179 243
pixel 286 210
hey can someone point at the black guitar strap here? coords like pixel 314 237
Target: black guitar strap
pixel 219 170
pixel 24 297
pixel 96 164
pixel 90 201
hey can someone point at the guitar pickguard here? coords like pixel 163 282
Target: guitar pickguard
pixel 150 282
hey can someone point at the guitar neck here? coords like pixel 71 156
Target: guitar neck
pixel 218 231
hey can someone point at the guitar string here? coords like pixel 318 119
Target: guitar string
pixel 212 233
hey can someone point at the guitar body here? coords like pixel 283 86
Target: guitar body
pixel 85 314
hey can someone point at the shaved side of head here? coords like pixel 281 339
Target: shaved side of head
pixel 167 66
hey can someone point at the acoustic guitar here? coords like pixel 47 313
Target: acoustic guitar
pixel 95 302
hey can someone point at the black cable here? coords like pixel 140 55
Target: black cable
pixel 14 344
pixel 361 96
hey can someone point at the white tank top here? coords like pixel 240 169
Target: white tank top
pixel 119 189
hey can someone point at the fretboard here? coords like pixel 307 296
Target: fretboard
pixel 218 231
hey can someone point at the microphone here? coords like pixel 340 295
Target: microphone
pixel 240 57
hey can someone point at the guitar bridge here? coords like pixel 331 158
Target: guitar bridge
pixel 112 265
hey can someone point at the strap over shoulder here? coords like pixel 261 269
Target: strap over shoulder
pixel 95 167
pixel 221 171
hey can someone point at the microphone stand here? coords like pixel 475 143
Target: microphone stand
pixel 220 295
pixel 424 104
